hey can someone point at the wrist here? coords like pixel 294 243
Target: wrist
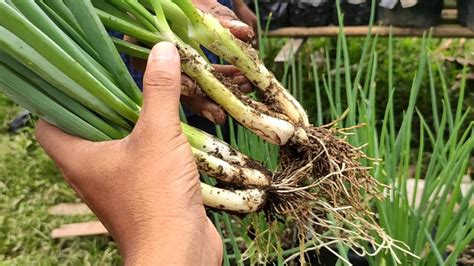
pixel 164 245
pixel 168 253
pixel 182 244
pixel 166 239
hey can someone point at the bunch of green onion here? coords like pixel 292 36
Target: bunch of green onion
pixel 57 60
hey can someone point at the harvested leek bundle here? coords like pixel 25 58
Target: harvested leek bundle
pixel 57 60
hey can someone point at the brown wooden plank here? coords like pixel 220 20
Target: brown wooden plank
pixel 449 14
pixel 449 31
pixel 289 50
pixel 65 209
pixel 79 229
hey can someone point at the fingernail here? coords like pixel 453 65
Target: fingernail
pixel 238 23
pixel 163 51
pixel 209 116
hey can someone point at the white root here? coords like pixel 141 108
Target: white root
pixel 239 201
pixel 222 170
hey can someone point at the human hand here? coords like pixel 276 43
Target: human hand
pixel 244 13
pixel 195 99
pixel 144 188
pixel 228 18
pixel 192 95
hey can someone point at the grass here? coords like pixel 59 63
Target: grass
pixel 29 185
pixel 400 90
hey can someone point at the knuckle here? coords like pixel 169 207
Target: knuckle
pixel 161 78
pixel 188 87
pixel 163 137
pixel 223 12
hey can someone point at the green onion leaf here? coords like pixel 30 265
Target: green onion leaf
pixel 85 14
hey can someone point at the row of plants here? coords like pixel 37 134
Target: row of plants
pixel 423 161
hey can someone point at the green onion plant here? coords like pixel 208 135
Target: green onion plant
pixel 57 60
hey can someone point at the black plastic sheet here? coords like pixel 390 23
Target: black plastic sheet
pixel 466 13
pixel 356 13
pixel 279 10
pixel 311 13
pixel 300 13
pixel 19 122
pixel 425 14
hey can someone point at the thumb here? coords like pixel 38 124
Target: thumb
pixel 162 88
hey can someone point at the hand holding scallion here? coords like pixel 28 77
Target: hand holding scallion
pixel 192 95
pixel 320 184
pixel 228 18
pixel 144 188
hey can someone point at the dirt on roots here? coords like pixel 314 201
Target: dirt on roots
pixel 326 192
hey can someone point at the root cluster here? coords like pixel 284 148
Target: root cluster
pixel 324 189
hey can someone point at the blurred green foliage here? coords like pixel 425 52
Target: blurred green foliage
pixel 30 184
pixel 406 61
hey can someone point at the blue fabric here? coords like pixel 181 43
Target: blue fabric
pixel 227 3
pixel 136 74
